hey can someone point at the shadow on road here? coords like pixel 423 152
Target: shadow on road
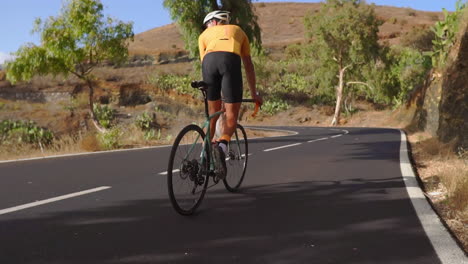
pixel 363 221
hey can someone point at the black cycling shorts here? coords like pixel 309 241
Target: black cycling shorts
pixel 222 73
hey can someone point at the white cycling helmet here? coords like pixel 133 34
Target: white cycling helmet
pixel 218 14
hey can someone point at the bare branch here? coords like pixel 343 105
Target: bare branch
pixel 345 68
pixel 362 83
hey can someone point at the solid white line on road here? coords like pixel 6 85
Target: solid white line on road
pixel 443 243
pixel 315 140
pixel 83 154
pixel 287 146
pixel 51 200
pixel 335 136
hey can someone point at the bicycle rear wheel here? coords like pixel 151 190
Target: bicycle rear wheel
pixel 236 160
pixel 187 173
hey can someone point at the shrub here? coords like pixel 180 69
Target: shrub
pixel 24 132
pixel 419 38
pixel 146 123
pixel 166 82
pixel 393 20
pixel 110 139
pixel 104 114
pixel 411 13
pixel 272 106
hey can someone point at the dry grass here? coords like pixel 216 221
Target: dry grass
pixel 445 176
pixel 65 145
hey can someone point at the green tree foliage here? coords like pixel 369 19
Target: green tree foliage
pixel 445 35
pixel 398 72
pixel 343 36
pixel 74 42
pixel 189 15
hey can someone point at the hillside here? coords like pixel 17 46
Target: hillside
pixel 282 24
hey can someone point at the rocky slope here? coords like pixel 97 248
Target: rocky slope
pixel 442 103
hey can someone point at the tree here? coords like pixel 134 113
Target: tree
pixel 74 42
pixel 189 15
pixel 343 35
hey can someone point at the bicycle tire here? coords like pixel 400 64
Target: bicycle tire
pixel 237 158
pixel 185 169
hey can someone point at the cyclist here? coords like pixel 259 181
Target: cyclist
pixel 222 47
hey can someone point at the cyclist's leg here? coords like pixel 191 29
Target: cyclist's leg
pixel 232 114
pixel 213 107
pixel 232 91
pixel 213 79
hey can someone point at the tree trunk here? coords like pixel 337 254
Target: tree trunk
pixel 339 96
pixel 91 108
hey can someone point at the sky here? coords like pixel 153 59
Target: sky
pixel 17 16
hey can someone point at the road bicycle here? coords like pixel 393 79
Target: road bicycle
pixel 191 163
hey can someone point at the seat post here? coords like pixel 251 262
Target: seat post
pixel 205 99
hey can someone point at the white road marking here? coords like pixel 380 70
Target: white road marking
pixel 83 154
pixel 443 243
pixel 177 170
pixel 51 200
pixel 287 146
pixel 346 131
pixel 132 149
pixel 165 172
pixel 315 140
pixel 335 136
pixel 243 155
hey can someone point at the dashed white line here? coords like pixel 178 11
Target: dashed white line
pixel 165 172
pixel 286 146
pixel 315 140
pixel 51 200
pixel 177 170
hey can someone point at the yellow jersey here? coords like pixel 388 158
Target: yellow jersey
pixel 228 38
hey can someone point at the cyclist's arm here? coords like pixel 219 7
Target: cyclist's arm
pixel 201 47
pixel 251 78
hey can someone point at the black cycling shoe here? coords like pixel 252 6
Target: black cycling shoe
pixel 220 160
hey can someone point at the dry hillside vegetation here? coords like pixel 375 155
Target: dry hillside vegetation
pixel 282 24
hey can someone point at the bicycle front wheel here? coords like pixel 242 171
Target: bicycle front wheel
pixel 236 159
pixel 187 170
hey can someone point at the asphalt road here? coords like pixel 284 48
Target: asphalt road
pixel 327 197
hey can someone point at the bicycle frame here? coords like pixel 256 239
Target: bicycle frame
pixel 207 125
